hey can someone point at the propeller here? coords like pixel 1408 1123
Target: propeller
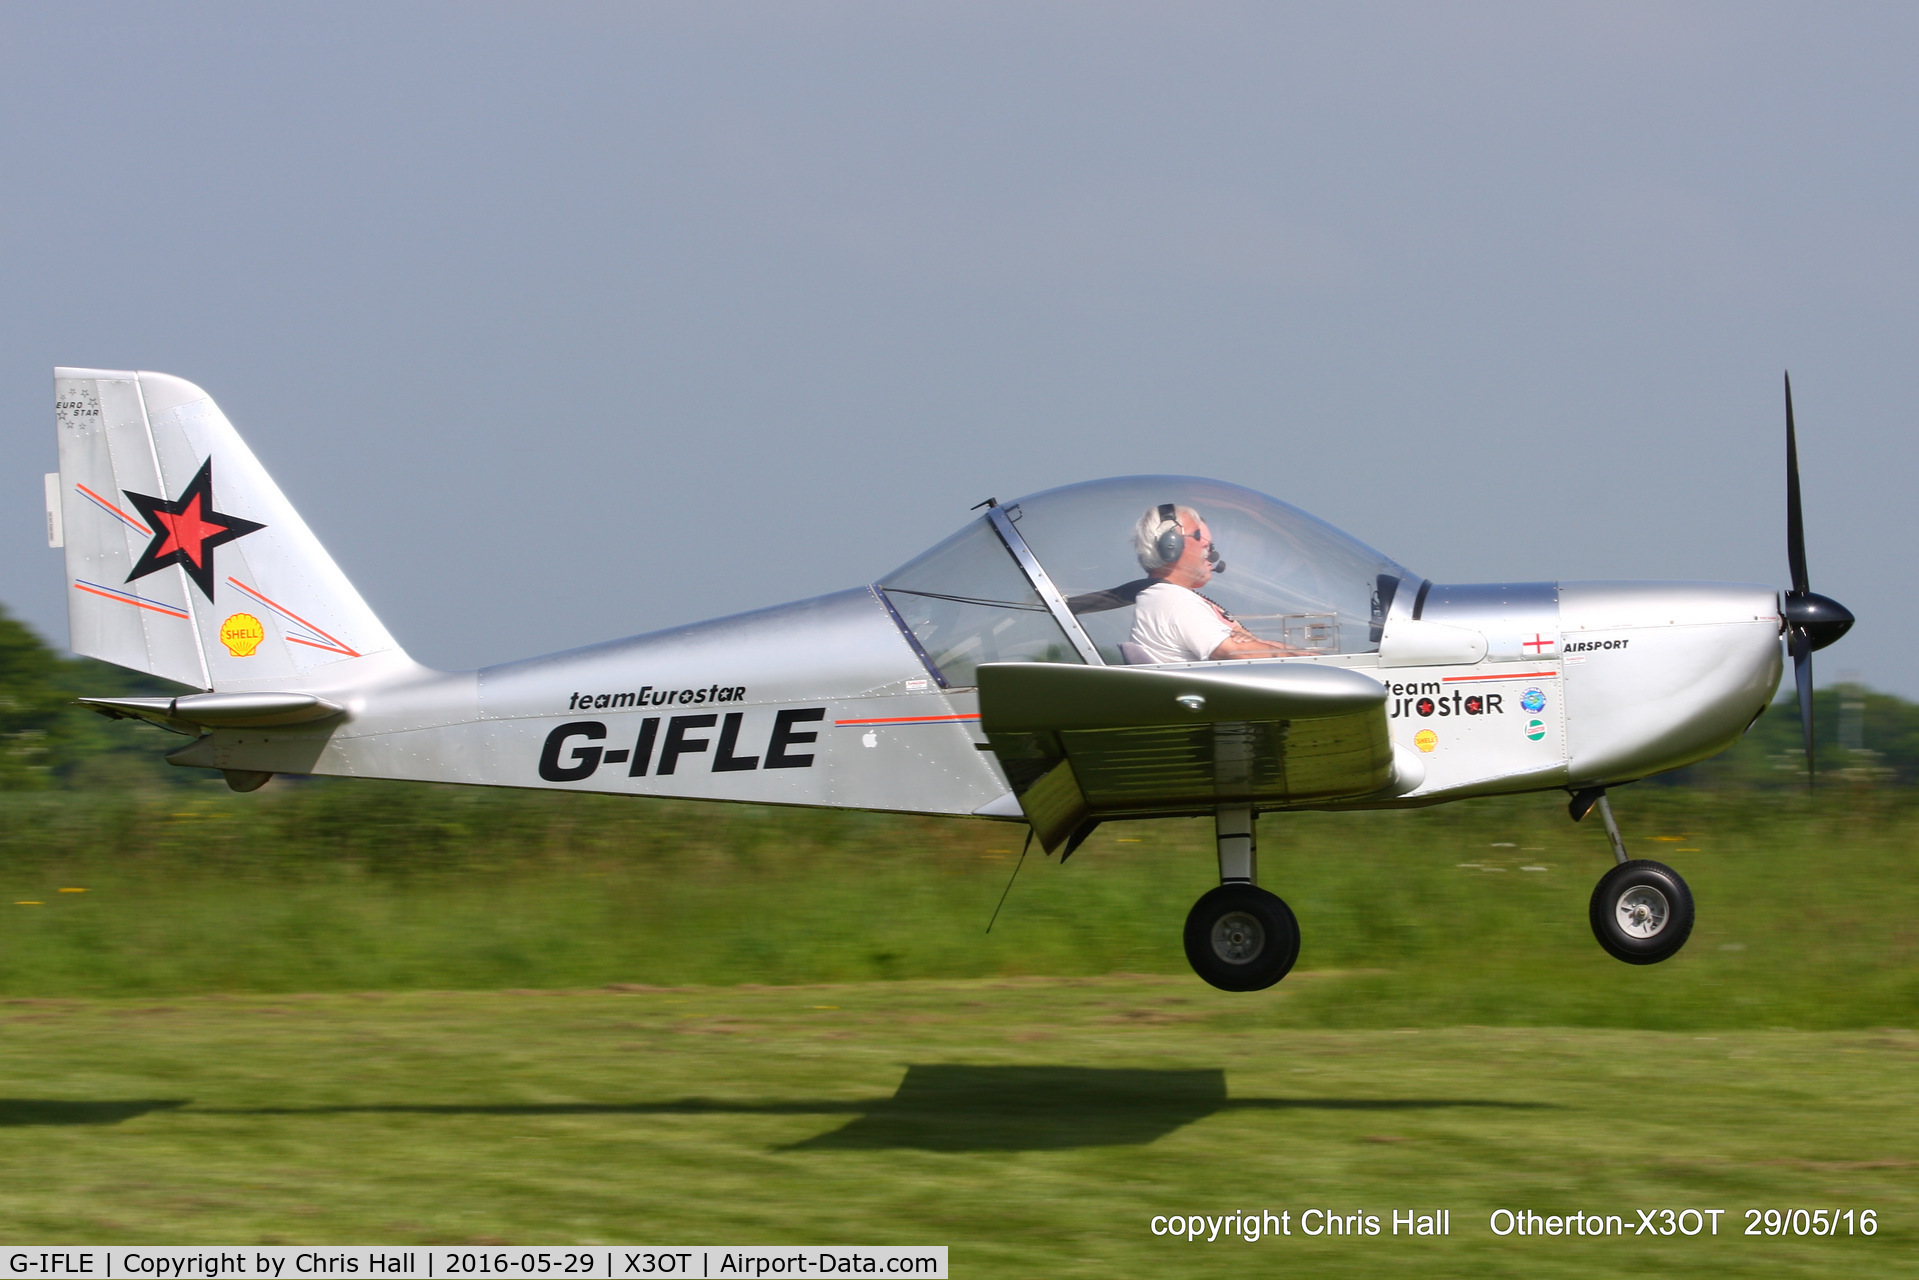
pixel 1812 621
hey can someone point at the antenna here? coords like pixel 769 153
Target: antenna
pixel 1009 880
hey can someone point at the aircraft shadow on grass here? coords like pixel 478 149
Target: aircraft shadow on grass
pixel 953 1107
pixel 17 1111
pixel 949 1107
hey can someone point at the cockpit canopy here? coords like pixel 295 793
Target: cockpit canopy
pixel 1057 577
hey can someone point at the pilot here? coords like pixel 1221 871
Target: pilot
pixel 1172 622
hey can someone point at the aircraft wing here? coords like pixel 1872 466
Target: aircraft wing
pixel 1082 743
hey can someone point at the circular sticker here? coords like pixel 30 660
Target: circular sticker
pixel 1425 739
pixel 1532 700
pixel 241 634
pixel 1535 729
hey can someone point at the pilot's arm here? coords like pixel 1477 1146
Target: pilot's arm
pixel 1244 644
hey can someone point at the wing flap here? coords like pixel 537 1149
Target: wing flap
pixel 1016 696
pixel 1080 743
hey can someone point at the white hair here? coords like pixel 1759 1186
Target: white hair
pixel 1147 532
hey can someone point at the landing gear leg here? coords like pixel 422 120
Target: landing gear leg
pixel 1240 937
pixel 1641 910
pixel 1238 844
pixel 1612 830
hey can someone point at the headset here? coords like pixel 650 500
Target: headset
pixel 1169 540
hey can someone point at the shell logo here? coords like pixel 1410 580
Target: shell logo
pixel 241 634
pixel 1425 740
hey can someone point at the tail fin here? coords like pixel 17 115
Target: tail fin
pixel 183 557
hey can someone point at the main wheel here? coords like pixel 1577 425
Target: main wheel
pixel 1642 912
pixel 1241 938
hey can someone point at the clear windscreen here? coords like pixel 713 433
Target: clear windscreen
pixel 1276 571
pixel 1252 565
pixel 967 602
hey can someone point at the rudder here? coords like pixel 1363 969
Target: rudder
pixel 183 557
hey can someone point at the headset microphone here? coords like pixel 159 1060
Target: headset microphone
pixel 1170 543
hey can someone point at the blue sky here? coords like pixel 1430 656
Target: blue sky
pixel 570 321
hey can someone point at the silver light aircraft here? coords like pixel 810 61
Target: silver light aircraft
pixel 1151 646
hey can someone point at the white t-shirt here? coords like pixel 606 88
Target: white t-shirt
pixel 1172 624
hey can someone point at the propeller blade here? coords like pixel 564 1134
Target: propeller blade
pixel 1802 674
pixel 1795 522
pixel 1811 621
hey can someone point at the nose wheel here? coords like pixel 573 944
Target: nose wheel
pixel 1642 912
pixel 1239 937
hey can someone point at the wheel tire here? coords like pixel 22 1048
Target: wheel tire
pixel 1241 938
pixel 1642 912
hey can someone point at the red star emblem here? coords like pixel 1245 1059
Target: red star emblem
pixel 187 530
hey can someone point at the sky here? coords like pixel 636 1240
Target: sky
pixel 564 322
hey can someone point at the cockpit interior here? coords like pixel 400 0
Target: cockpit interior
pixel 1141 571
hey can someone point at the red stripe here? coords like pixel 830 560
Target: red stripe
pixel 116 511
pixel 337 646
pixel 134 601
pixel 907 720
pixel 327 647
pixel 1517 675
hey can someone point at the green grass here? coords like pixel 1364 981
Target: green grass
pixel 1033 1125
pixel 1806 909
pixel 345 1012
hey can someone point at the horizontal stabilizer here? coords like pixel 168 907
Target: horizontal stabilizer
pixel 220 710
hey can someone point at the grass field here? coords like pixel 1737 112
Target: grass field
pixel 1470 913
pixel 1034 1125
pixel 381 1013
